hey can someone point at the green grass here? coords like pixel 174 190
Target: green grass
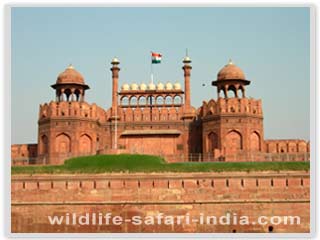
pixel 147 163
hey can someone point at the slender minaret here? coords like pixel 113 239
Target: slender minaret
pixel 187 72
pixel 115 78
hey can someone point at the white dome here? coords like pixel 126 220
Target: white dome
pixel 160 86
pixel 134 86
pixel 125 87
pixel 115 61
pixel 187 59
pixel 143 86
pixel 169 86
pixel 177 86
pixel 151 86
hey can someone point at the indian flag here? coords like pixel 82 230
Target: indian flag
pixel 156 57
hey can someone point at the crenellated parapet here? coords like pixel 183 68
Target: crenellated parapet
pixel 71 110
pixel 236 106
pixel 287 146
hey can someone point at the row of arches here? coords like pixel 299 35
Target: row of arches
pixel 233 141
pixel 63 144
pixel 151 100
pixel 69 95
pixel 234 89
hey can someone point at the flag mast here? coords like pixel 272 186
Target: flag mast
pixel 151 69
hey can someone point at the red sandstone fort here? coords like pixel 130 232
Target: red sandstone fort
pixel 156 119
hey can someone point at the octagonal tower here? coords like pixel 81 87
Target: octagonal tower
pixel 232 125
pixel 69 126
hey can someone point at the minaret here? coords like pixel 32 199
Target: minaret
pixel 115 78
pixel 187 72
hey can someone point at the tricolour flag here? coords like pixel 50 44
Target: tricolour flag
pixel 156 57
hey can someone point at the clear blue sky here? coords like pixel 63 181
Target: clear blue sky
pixel 271 45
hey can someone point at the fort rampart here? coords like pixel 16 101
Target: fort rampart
pixel 34 198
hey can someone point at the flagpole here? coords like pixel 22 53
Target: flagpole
pixel 151 69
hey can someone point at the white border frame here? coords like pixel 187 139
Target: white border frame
pixel 5 108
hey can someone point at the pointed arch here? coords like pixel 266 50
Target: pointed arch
pixel 233 142
pixel 63 143
pixel 255 142
pixel 44 147
pixel 85 144
pixel 212 141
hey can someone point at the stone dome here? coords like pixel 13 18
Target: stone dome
pixel 143 86
pixel 70 75
pixel 177 86
pixel 169 86
pixel 151 86
pixel 160 86
pixel 230 72
pixel 125 87
pixel 134 86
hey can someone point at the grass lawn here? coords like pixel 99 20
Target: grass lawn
pixel 147 163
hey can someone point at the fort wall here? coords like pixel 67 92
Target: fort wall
pixel 23 154
pixel 264 193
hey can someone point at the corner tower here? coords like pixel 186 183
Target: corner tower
pixel 232 124
pixel 231 78
pixel 69 126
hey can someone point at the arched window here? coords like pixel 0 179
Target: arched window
pixel 160 100
pixel 133 101
pixel 168 100
pixel 142 101
pixel 177 99
pixel 124 101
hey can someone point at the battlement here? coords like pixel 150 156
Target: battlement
pixel 231 106
pixel 287 146
pixel 22 154
pixel 236 185
pixel 148 194
pixel 71 110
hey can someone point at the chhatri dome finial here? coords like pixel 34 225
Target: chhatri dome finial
pixel 230 62
pixel 70 66
pixel 115 61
